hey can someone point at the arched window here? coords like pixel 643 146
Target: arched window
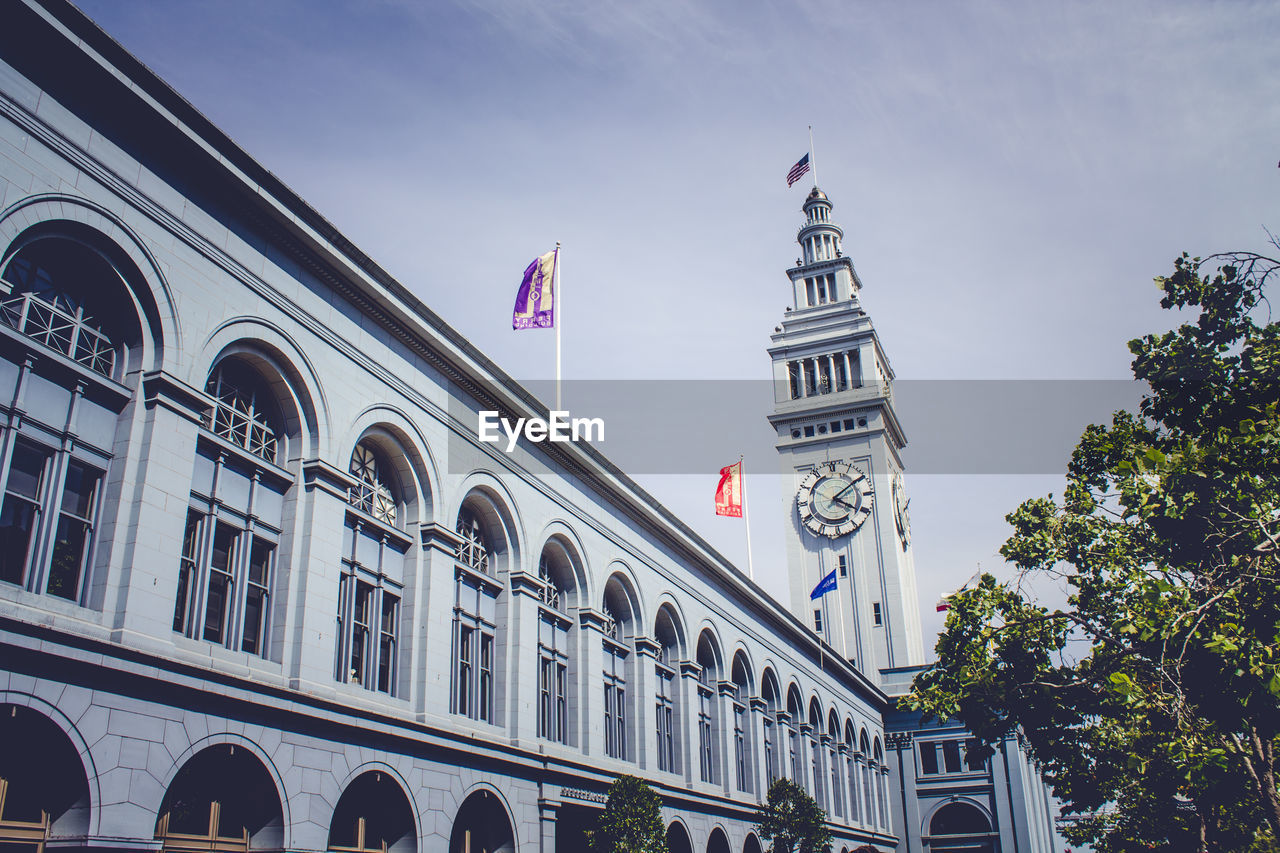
pixel 475 617
pixel 56 443
pixel 666 721
pixel 961 827
pixel 244 412
pixel 868 795
pixel 851 770
pixel 769 693
pixel 222 800
pixel 795 713
pixel 555 570
pixel 235 519
pixel 709 677
pixel 742 746
pixel 618 631
pixel 882 788
pixel 371 585
pixel 44 790
pixel 372 492
pixel 833 762
pixel 473 552
pixel 373 816
pixel 815 753
pixel 42 295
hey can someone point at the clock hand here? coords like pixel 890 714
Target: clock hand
pixel 842 491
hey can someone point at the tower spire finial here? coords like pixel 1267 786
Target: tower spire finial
pixel 813 160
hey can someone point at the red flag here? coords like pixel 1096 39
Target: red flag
pixel 729 492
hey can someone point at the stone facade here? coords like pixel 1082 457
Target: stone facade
pixel 262 587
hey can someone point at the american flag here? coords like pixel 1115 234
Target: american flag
pixel 798 170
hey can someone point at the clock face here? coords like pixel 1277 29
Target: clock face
pixel 834 499
pixel 901 503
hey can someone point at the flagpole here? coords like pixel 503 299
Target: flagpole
pixel 742 470
pixel 558 296
pixel 813 160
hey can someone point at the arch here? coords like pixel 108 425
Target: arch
pixel 795 704
pixel 678 838
pixel 483 823
pixel 418 468
pixel 769 690
pixel 833 725
pixel 488 499
pixel 52 214
pixel 850 739
pixel 815 716
pixel 563 554
pixel 740 673
pixel 958 817
pixel 284 364
pixel 621 602
pixel 718 841
pixel 708 655
pixel 222 798
pixel 864 743
pixel 668 631
pixel 752 844
pixel 374 815
pixel 878 753
pixel 46 790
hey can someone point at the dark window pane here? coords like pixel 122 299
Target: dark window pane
pixel 78 491
pixel 928 758
pixel 16 520
pixel 68 558
pixel 26 471
pixel 951 755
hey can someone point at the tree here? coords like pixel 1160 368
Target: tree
pixel 631 821
pixel 791 818
pixel 1152 700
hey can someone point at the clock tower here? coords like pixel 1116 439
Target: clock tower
pixel 839 440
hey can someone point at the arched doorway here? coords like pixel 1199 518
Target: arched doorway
pixel 752 844
pixel 718 842
pixel 960 827
pixel 482 826
pixel 678 839
pixel 44 792
pixel 222 800
pixel 373 816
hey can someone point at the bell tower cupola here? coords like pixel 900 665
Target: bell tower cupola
pixel 840 443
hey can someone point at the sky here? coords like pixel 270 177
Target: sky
pixel 1009 176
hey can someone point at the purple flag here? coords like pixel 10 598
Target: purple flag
pixel 535 301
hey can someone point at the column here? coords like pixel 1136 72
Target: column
pixel 725 745
pixel 432 679
pixel 848 373
pixel 161 490
pixel 756 711
pixel 687 712
pixel 641 688
pixel 783 730
pixel 521 658
pixel 802 753
pixel 590 699
pixel 547 826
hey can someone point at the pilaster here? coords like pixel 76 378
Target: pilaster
pixel 643 725
pixel 757 710
pixel 590 698
pixel 432 673
pixel 522 657
pixel 687 708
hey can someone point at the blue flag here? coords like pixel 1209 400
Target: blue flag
pixel 824 586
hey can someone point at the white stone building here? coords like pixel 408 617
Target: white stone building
pixel 262 588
